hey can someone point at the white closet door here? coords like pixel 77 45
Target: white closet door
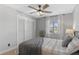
pixel 25 28
pixel 20 29
pixel 29 29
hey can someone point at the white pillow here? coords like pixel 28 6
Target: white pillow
pixel 73 46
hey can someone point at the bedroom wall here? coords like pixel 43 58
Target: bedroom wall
pixel 67 20
pixel 68 23
pixel 76 17
pixel 8 28
pixel 40 25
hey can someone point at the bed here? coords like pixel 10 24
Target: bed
pixel 54 47
pixel 48 46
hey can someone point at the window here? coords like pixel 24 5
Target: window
pixel 52 25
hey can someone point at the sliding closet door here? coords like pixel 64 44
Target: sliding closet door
pixel 20 29
pixel 26 28
pixel 29 29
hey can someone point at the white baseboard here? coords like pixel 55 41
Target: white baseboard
pixel 7 50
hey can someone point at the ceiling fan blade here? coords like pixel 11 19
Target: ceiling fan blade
pixel 47 11
pixel 32 12
pixel 32 7
pixel 45 6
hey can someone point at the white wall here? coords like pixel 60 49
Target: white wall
pixel 40 25
pixel 66 21
pixel 76 17
pixel 8 28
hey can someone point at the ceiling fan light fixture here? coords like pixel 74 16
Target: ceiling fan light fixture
pixel 40 10
pixel 40 13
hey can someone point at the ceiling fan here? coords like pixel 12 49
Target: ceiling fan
pixel 40 10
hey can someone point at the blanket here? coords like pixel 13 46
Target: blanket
pixel 31 47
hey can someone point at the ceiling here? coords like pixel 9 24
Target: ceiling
pixel 55 8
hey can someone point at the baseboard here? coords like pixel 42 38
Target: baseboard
pixel 7 50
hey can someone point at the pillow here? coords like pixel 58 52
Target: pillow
pixel 76 34
pixel 73 45
pixel 67 40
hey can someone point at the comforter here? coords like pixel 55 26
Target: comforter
pixel 47 46
pixel 31 47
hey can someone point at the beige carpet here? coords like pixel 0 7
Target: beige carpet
pixel 12 52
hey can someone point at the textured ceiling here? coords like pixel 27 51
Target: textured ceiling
pixel 55 8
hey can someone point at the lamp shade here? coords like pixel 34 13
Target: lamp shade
pixel 70 32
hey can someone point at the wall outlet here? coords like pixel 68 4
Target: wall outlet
pixel 8 44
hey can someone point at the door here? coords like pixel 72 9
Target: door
pixel 26 28
pixel 20 29
pixel 29 29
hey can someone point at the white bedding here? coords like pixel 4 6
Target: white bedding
pixel 48 45
pixel 54 46
pixel 58 49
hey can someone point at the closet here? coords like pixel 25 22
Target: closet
pixel 26 28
